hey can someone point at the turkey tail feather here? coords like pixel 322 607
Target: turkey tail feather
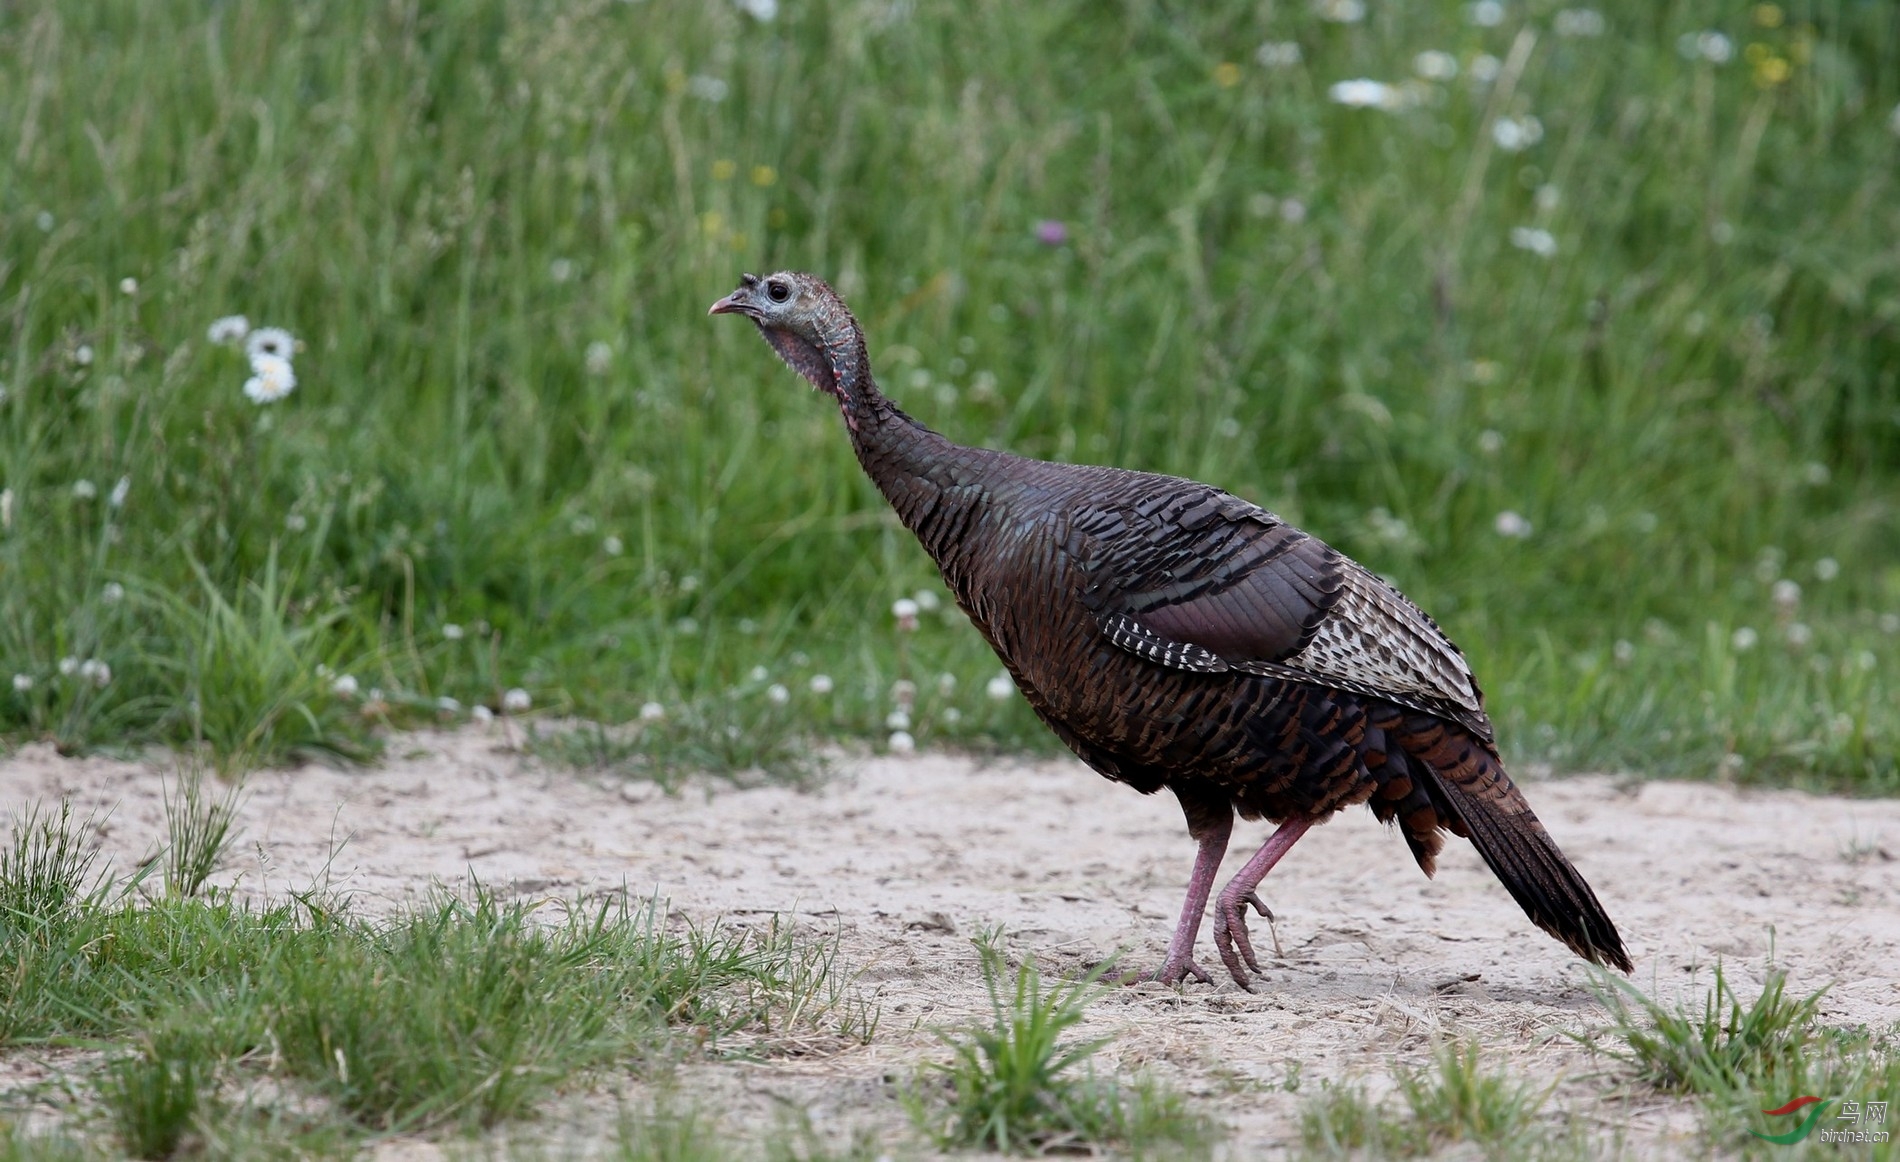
pixel 1480 799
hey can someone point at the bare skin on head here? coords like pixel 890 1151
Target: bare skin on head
pixel 1174 635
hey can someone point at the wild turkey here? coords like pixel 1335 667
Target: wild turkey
pixel 1176 636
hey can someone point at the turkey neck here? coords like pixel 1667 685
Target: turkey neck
pixel 933 484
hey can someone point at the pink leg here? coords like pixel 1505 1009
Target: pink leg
pixel 1230 910
pixel 1180 963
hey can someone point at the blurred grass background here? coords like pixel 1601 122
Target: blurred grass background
pixel 1590 341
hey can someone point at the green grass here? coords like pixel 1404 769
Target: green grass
pixel 1016 1085
pixel 1458 1098
pixel 1738 1060
pixel 456 1013
pixel 1316 306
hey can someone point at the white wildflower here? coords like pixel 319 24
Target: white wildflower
pixel 1517 134
pixel 1786 593
pixel 481 715
pixel 272 380
pixel 763 11
pixel 228 330
pixel 6 509
pixel 1816 473
pixel 45 221
pixel 613 546
pixel 946 683
pixel 1365 93
pixel 82 355
pixel 1277 54
pixel 777 695
pixel 1548 197
pixel 84 489
pixel 128 285
pixel 707 88
pixel 1889 623
pixel 951 716
pixel 1435 65
pixel 1893 121
pixel 905 611
pixel 1743 639
pixel 652 712
pixel 1512 524
pixel 927 600
pixel 273 341
pixel 516 700
pixel 821 684
pixel 68 666
pixel 758 674
pixel 600 357
pixel 121 490
pixel 1866 660
pixel 1340 11
pixel 1485 13
pixel 1711 46
pixel 345 686
pixel 22 682
pixel 897 720
pixel 1826 569
pixel 902 742
pixel 452 631
pixel 95 671
pixel 1624 651
pixel 112 593
pixel 1798 635
pixel 1484 69
pixel 1490 441
pixel 448 705
pixel 1579 22
pixel 1000 687
pixel 1292 211
pixel 296 522
pixel 561 269
pixel 1538 241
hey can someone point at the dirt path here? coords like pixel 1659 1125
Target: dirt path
pixel 907 857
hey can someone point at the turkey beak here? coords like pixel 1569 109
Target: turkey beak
pixel 730 305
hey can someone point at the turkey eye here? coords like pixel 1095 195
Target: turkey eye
pixel 778 291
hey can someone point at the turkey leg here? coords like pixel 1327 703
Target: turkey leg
pixel 1212 830
pixel 1230 910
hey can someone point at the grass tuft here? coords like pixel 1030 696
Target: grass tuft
pixel 153 1096
pixel 1719 1048
pixel 1455 1099
pixel 1015 1086
pixel 47 868
pixel 198 830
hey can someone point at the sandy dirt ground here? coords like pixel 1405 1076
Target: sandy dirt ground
pixel 905 858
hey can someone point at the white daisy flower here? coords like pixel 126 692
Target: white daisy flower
pixel 1512 524
pixel 1435 65
pixel 902 742
pixel 1484 68
pixel 85 489
pixel 1517 134
pixel 345 686
pixel 128 286
pixel 22 682
pixel 97 671
pixel 481 715
pixel 68 666
pixel 452 632
pixel 600 357
pixel 229 329
pixel 763 11
pixel 1826 569
pixel 652 712
pixel 1365 93
pixel 516 701
pixel 708 88
pixel 821 684
pixel 1282 54
pixel 1744 639
pixel 1539 242
pixel 113 593
pixel 1786 593
pixel 1485 13
pixel 272 379
pixel 270 341
pixel 1341 11
pixel 897 720
pixel 777 694
pixel 1000 687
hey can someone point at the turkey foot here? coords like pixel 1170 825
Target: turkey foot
pixel 1180 964
pixel 1230 910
